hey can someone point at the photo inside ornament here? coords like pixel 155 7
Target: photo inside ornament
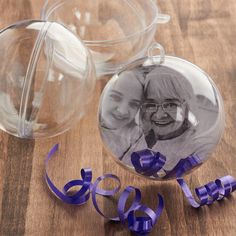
pixel 172 108
pixel 44 85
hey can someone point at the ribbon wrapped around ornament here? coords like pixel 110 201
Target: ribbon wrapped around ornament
pixel 138 225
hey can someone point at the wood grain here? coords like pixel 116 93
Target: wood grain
pixel 203 32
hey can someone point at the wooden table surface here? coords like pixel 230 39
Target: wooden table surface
pixel 203 32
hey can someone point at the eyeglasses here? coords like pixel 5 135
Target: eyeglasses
pixel 168 107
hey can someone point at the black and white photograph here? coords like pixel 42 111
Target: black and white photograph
pixel 157 108
pixel 119 113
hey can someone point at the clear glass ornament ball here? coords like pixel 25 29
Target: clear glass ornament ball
pixel 161 104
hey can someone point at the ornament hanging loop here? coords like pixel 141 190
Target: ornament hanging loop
pixel 156 59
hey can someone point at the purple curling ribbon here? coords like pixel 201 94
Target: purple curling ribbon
pixel 144 225
pixel 213 191
pixel 183 166
pixel 81 196
pixel 147 162
pixel 138 225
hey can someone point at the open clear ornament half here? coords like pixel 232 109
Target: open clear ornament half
pixel 46 79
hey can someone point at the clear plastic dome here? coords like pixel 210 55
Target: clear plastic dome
pixel 116 32
pixel 44 85
pixel 161 106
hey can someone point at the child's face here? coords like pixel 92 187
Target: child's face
pixel 162 114
pixel 122 101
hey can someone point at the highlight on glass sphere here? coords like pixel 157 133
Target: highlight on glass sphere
pixel 44 85
pixel 116 32
pixel 161 121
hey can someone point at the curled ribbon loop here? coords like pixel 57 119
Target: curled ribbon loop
pixel 138 225
pixel 213 191
pixel 123 199
pixel 108 193
pixel 81 196
pixel 144 225
pixel 147 162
